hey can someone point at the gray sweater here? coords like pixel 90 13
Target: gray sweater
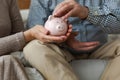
pixel 11 27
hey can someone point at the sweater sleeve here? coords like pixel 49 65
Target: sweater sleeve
pixel 15 40
pixel 12 43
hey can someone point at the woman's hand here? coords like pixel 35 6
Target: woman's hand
pixel 40 33
pixel 81 46
pixel 70 8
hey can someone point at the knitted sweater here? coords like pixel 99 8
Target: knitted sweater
pixel 11 25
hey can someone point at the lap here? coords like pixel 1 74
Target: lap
pixel 108 51
pixel 42 49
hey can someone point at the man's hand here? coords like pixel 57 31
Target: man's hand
pixel 70 8
pixel 81 46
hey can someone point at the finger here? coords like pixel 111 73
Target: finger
pixel 48 38
pixel 67 15
pixel 56 39
pixel 42 29
pixel 40 36
pixel 88 44
pixel 69 30
pixel 63 11
pixel 64 38
pixel 58 7
pixel 87 48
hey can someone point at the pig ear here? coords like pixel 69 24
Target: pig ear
pixel 50 17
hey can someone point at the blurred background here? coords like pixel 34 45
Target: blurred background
pixel 24 4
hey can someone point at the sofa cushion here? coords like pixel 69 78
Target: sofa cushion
pixel 89 69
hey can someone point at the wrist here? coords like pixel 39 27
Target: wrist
pixel 28 36
pixel 84 12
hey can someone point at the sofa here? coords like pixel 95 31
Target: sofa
pixel 84 69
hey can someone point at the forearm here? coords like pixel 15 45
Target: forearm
pixel 11 43
pixel 109 20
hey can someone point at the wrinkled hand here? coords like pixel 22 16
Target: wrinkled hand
pixel 70 8
pixel 40 33
pixel 81 46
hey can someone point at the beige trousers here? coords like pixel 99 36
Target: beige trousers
pixel 111 52
pixel 52 61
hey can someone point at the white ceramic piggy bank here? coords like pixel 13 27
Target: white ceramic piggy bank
pixel 56 26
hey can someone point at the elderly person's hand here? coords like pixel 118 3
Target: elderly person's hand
pixel 40 33
pixel 70 8
pixel 80 46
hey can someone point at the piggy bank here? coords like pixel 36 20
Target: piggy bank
pixel 56 26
